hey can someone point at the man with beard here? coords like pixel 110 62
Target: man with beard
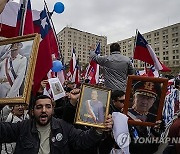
pixel 44 134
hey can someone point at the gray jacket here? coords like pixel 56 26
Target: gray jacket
pixel 116 68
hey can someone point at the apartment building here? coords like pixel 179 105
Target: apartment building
pixel 70 38
pixel 165 42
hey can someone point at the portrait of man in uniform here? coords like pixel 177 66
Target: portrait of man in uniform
pixel 144 99
pixel 12 72
pixel 93 110
pixel 93 106
pixel 145 96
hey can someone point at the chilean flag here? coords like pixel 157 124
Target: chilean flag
pixel 24 24
pixel 144 52
pixel 76 76
pixel 152 72
pixel 92 72
pixel 11 19
pixel 72 65
pixel 46 48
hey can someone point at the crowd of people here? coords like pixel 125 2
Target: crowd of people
pixel 47 126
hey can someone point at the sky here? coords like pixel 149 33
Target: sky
pixel 116 19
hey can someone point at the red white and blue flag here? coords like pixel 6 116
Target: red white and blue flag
pixel 24 24
pixel 12 18
pixel 92 71
pixel 152 72
pixel 72 65
pixel 46 48
pixel 144 52
pixel 76 74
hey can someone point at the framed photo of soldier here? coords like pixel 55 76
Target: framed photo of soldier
pixel 144 99
pixel 93 106
pixel 17 65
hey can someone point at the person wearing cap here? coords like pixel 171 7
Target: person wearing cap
pixel 12 73
pixel 145 95
pixel 45 134
pixel 116 67
pixel 144 109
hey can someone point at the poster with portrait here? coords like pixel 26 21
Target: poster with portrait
pixel 17 65
pixel 56 88
pixel 144 99
pixel 93 106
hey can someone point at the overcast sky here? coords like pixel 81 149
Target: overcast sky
pixel 116 19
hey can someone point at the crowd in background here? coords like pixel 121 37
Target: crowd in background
pixel 116 70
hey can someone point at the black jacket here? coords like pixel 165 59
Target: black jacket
pixel 27 140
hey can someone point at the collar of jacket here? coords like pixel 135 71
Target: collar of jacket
pixel 54 125
pixel 115 52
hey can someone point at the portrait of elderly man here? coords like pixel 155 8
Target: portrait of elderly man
pixel 145 101
pixel 12 72
pixel 93 110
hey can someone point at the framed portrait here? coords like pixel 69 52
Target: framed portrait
pixel 93 106
pixel 17 65
pixel 144 99
pixel 56 88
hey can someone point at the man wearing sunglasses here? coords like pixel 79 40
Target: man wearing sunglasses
pixel 117 103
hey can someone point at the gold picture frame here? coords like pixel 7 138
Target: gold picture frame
pixel 93 107
pixel 153 90
pixel 17 65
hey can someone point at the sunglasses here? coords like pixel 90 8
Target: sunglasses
pixel 121 100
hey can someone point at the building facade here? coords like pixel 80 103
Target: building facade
pixel 165 42
pixel 70 38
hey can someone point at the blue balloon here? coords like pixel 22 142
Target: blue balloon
pixel 57 66
pixel 59 7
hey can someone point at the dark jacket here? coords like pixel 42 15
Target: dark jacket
pixel 62 136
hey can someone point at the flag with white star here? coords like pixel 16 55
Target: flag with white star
pixel 47 47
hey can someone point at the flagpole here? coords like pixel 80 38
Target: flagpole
pixel 21 29
pixel 135 39
pixel 52 26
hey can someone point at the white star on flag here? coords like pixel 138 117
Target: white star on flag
pixel 44 23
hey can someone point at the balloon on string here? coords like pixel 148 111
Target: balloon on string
pixel 57 66
pixel 59 7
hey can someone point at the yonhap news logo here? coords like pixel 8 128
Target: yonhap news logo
pixel 123 140
pixel 157 140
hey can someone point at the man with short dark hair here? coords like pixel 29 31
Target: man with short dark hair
pixel 118 99
pixel 116 68
pixel 44 134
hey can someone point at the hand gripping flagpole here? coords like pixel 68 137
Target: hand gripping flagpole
pixel 52 26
